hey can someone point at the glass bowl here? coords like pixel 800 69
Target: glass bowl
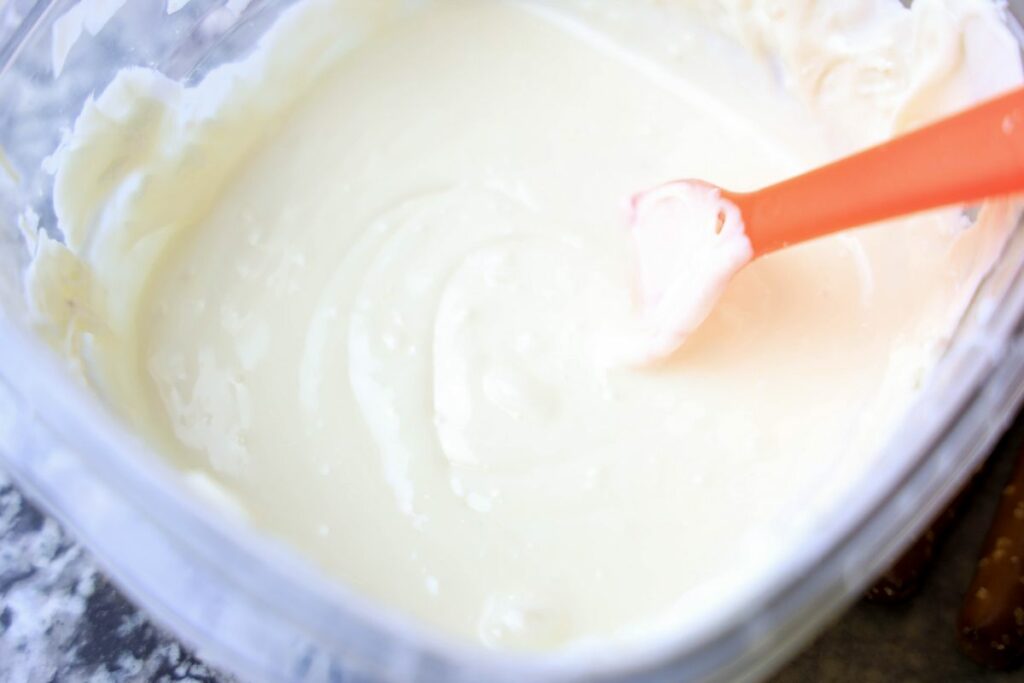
pixel 249 604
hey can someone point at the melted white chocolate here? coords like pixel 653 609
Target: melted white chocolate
pixel 357 287
pixel 689 242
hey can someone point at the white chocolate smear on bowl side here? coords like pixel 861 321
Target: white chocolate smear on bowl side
pixel 357 288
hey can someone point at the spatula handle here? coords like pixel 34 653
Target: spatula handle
pixel 973 155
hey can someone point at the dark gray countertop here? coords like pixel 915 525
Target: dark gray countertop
pixel 60 620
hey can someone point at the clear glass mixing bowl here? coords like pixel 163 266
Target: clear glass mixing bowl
pixel 250 605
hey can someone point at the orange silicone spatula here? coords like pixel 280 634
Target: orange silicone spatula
pixel 692 237
pixel 973 155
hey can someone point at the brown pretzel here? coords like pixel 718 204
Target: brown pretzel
pixel 904 578
pixel 991 625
